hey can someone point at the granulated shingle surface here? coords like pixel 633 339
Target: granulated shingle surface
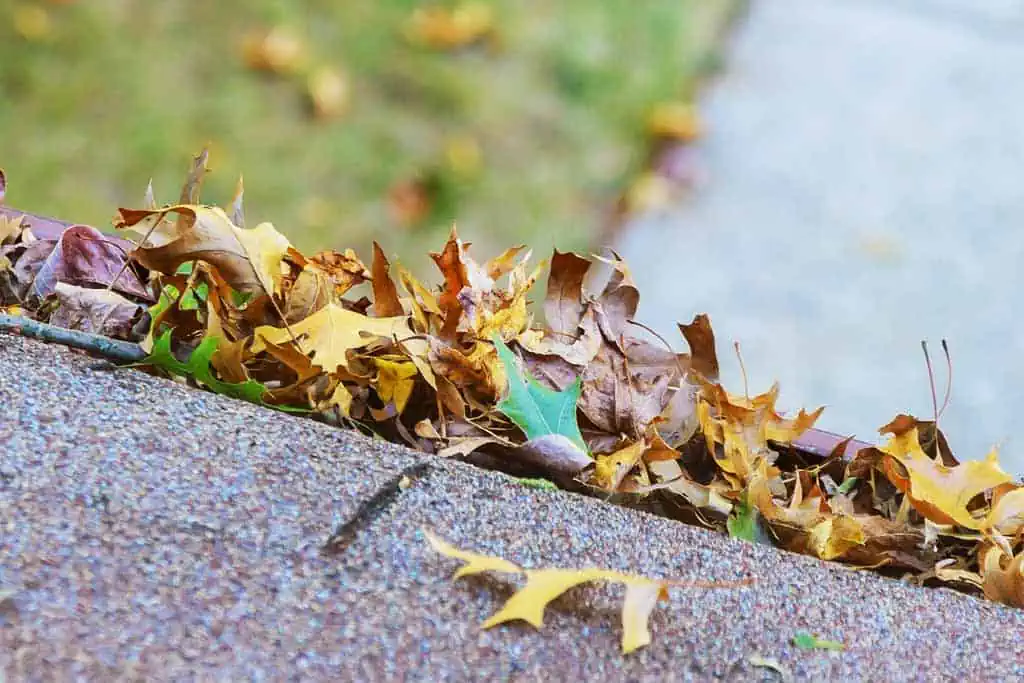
pixel 152 531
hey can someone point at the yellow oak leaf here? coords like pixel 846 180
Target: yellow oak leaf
pixel 544 585
pixel 938 492
pixel 331 332
pixel 475 563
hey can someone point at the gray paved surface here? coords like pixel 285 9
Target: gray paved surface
pixel 155 532
pixel 864 191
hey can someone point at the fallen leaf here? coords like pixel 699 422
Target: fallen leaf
pixel 938 492
pixel 701 339
pixel 771 663
pixel 611 469
pixel 385 295
pixel 395 381
pixel 805 641
pixel 83 256
pixel 1002 575
pixel 249 260
pixel 330 333
pixel 198 367
pixel 544 585
pixel 96 311
pixel 744 523
pixel 535 409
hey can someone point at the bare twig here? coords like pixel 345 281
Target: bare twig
pixel 116 350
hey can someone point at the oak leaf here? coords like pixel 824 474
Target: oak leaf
pixel 544 585
pixel 249 260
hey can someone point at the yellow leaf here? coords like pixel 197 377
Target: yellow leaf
pixel 938 492
pixel 544 585
pixel 641 596
pixel 611 469
pixel 1007 514
pixel 331 332
pixel 249 260
pixel 834 536
pixel 475 563
pixel 395 381
pixel 1003 575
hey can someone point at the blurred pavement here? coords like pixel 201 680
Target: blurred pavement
pixel 864 191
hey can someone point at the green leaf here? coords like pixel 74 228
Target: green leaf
pixel 535 409
pixel 847 485
pixel 805 641
pixel 745 523
pixel 537 483
pixel 198 367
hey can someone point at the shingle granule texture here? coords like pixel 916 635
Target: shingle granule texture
pixel 153 531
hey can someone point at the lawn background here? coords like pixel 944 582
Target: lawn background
pixel 526 136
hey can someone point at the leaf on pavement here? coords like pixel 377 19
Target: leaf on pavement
pixel 805 641
pixel 544 585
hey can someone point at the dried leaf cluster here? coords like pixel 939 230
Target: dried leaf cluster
pixel 462 369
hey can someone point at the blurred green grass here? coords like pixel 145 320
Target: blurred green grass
pixel 115 92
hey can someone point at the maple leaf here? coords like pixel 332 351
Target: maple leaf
pixel 535 409
pixel 395 381
pixel 330 333
pixel 938 492
pixel 249 260
pixel 544 585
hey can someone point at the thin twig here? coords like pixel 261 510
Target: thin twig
pixel 949 378
pixel 931 381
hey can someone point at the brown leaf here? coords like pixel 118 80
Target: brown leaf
pixel 96 311
pixel 385 295
pixel 701 339
pixel 343 270
pixel 618 302
pixel 553 453
pixel 83 256
pixel 1003 575
pixel 3 185
pixel 563 304
pixel 450 264
pixel 249 260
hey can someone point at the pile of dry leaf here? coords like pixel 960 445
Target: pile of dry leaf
pixel 462 369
